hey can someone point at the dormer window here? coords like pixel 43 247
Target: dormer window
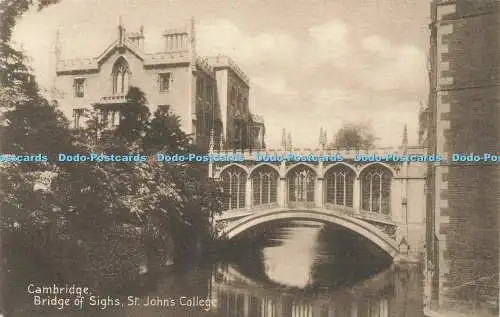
pixel 164 81
pixel 120 75
pixel 79 87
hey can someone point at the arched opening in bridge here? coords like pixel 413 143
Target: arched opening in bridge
pixel 264 185
pixel 325 255
pixel 339 187
pixel 301 183
pixel 376 189
pixel 234 179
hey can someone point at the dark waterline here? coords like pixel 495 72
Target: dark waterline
pixel 281 269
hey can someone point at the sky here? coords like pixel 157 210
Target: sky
pixel 312 63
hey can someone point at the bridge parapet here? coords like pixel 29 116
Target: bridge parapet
pixel 250 155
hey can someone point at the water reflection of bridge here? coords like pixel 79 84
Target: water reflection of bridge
pixel 238 296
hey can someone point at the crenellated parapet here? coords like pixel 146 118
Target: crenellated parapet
pixel 203 64
pixel 223 61
pixel 166 58
pixel 257 118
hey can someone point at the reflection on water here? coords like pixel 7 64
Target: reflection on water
pixel 309 270
pixel 296 269
pixel 290 262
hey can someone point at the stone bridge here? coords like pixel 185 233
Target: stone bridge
pixel 382 200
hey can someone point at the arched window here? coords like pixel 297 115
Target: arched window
pixel 264 185
pixel 120 76
pixel 301 184
pixel 234 180
pixel 340 186
pixel 376 189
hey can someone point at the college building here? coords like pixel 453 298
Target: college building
pixel 463 200
pixel 207 93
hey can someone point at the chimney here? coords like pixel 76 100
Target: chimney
pixel 176 39
pixel 137 38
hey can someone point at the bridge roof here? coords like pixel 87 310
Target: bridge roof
pixel 250 154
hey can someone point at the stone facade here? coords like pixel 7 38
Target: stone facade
pixel 194 87
pixel 463 201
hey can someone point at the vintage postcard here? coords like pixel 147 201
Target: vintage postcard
pixel 249 158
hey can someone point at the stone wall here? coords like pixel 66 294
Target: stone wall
pixel 467 196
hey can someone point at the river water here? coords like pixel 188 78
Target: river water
pixel 298 269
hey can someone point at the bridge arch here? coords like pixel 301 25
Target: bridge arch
pixel 298 165
pixel 256 167
pixel 363 228
pixel 243 167
pixel 374 164
pixel 336 165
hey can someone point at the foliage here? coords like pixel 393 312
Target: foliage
pixel 354 136
pixel 165 134
pixel 134 119
pixel 93 223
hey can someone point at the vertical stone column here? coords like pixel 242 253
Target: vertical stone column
pixel 246 305
pixel 282 192
pixel 318 192
pixel 354 309
pixel 396 190
pixel 404 202
pixel 356 197
pixel 282 186
pixel 248 193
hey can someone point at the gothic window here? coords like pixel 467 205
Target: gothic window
pixel 264 185
pixel 79 87
pixel 77 117
pixel 104 118
pixel 234 180
pixel 301 184
pixel 233 96
pixel 340 186
pixel 164 108
pixel 376 189
pixel 120 76
pixel 164 82
pixel 209 93
pixel 199 87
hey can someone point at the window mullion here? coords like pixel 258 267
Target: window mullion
pixel 371 192
pixel 344 197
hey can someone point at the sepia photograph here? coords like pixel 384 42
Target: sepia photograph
pixel 249 158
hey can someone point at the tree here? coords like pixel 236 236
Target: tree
pixel 354 136
pixel 164 134
pixel 201 198
pixel 135 117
